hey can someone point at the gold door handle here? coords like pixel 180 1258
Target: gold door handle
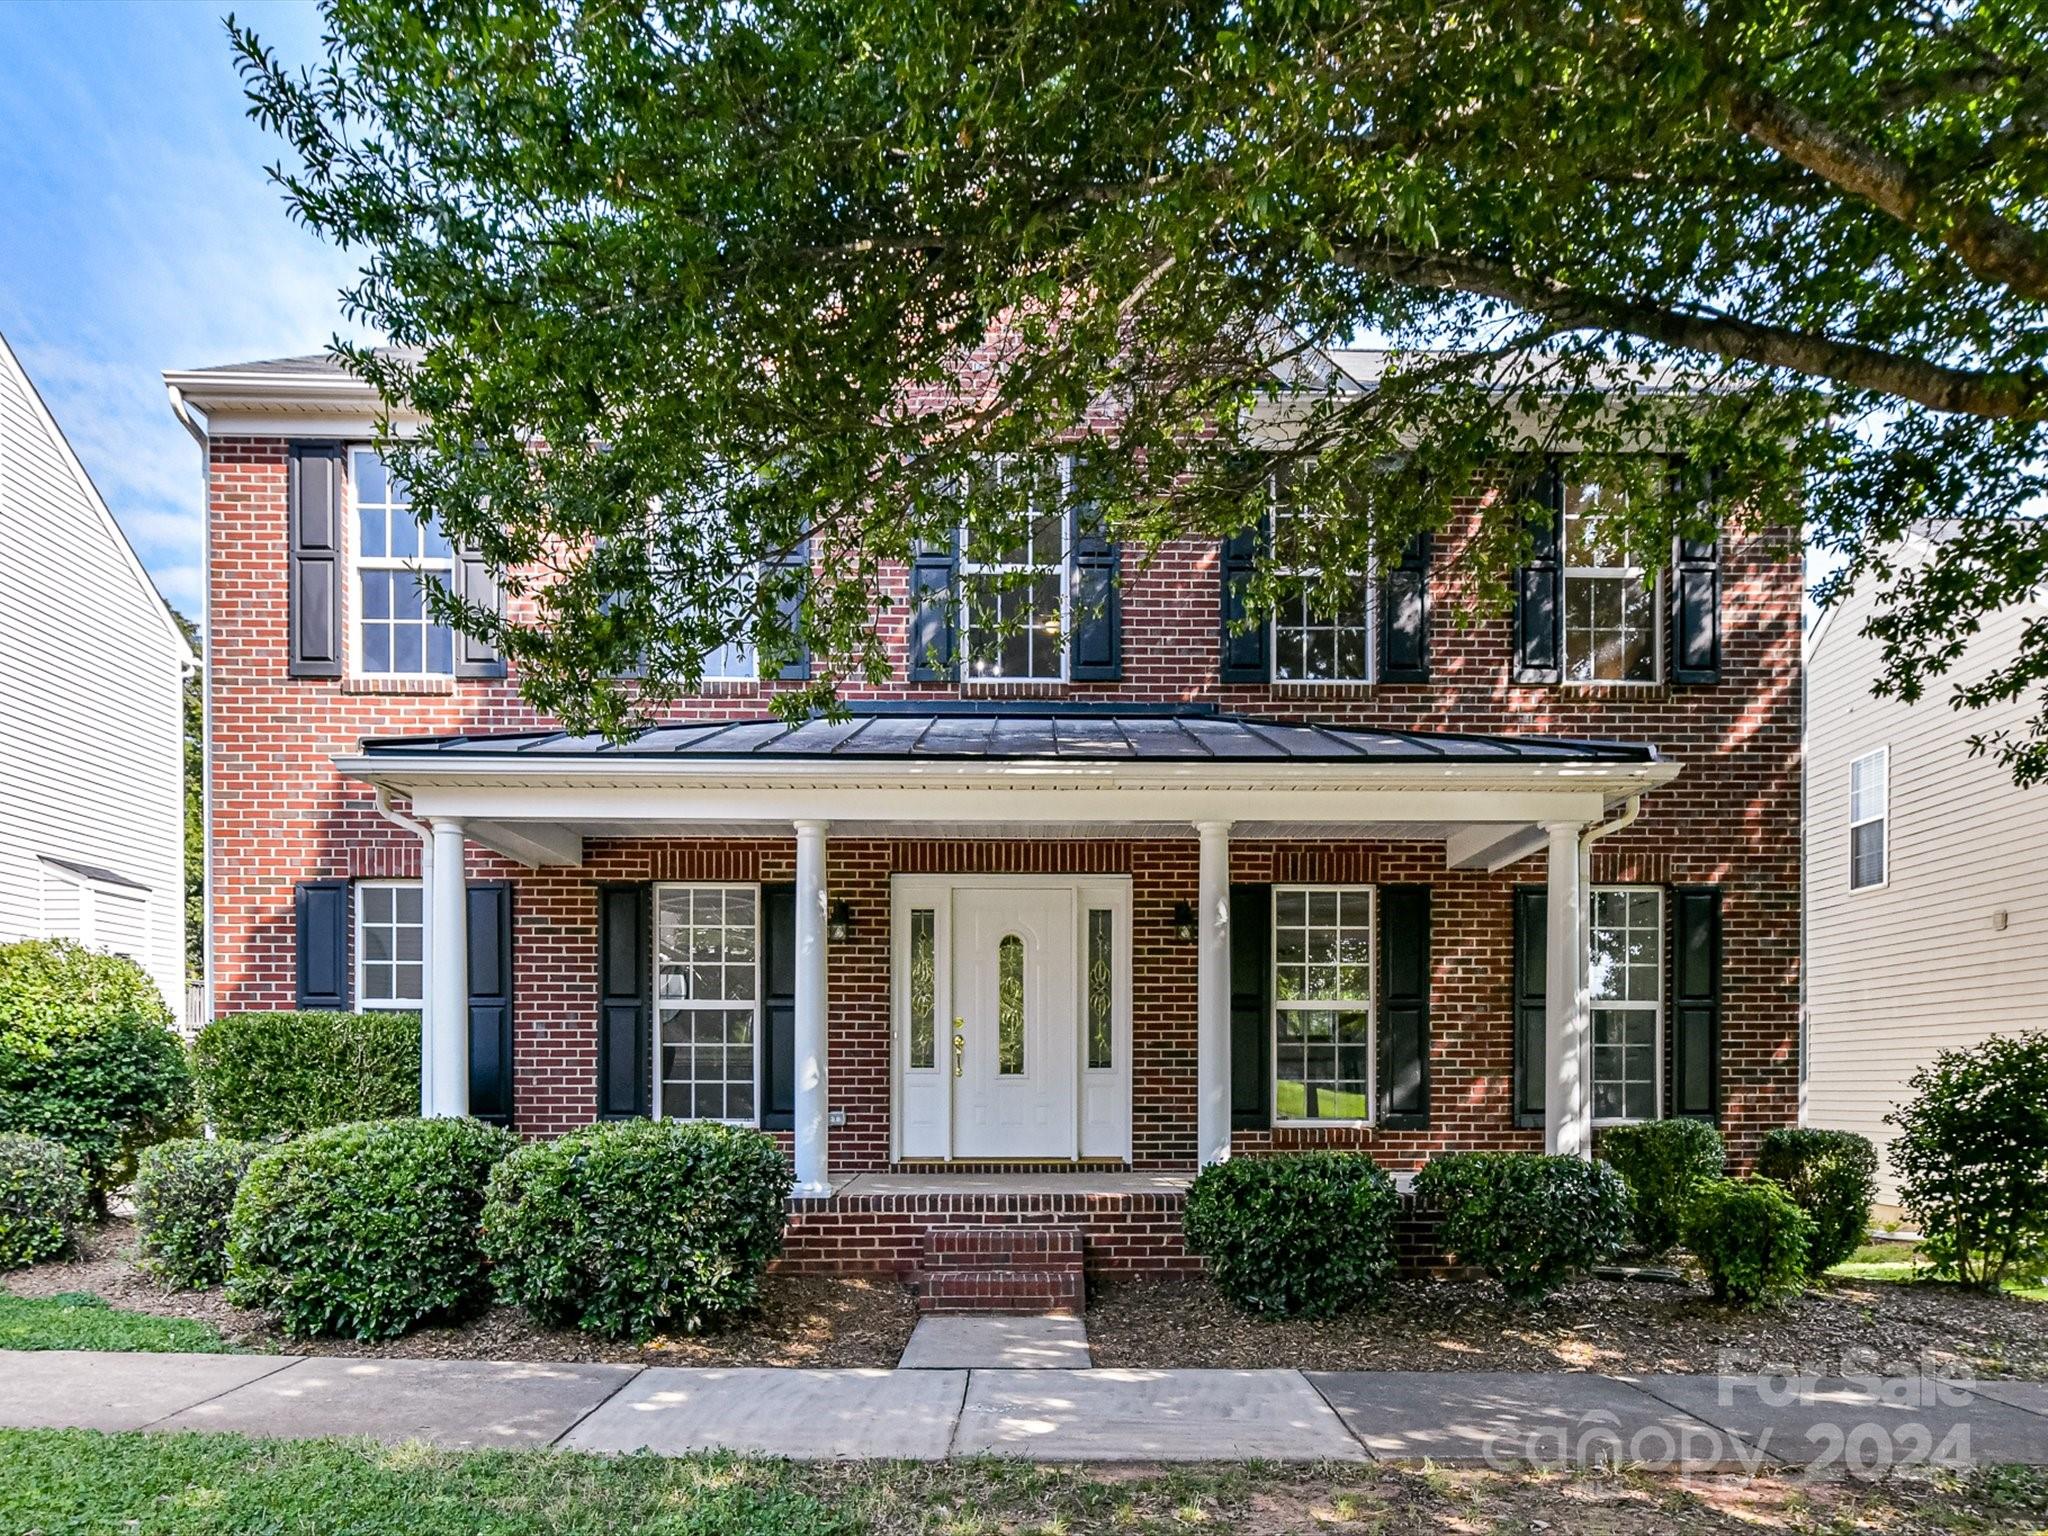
pixel 959 1047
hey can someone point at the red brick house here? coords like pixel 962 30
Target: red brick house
pixel 1129 892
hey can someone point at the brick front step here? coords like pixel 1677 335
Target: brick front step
pixel 1001 1269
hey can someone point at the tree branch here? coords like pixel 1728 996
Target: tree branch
pixel 2022 396
pixel 1992 246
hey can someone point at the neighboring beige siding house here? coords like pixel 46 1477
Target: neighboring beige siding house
pixel 91 712
pixel 1927 871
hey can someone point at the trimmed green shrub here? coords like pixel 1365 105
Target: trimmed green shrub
pixel 1972 1159
pixel 636 1228
pixel 1750 1237
pixel 365 1231
pixel 1662 1162
pixel 1832 1176
pixel 88 1056
pixel 263 1075
pixel 1530 1221
pixel 1305 1234
pixel 184 1191
pixel 42 1199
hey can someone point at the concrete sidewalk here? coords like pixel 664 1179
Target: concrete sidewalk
pixel 1498 1418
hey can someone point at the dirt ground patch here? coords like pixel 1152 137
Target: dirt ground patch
pixel 802 1320
pixel 1596 1325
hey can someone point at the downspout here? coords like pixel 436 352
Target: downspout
pixel 183 412
pixel 425 834
pixel 1630 811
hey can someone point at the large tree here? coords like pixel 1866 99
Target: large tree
pixel 728 262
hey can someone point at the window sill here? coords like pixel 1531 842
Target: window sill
pixel 1301 688
pixel 1015 688
pixel 422 686
pixel 1321 1125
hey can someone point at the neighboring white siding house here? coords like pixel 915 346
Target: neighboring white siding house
pixel 91 724
pixel 1927 871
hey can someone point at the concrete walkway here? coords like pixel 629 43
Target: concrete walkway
pixel 1050 1414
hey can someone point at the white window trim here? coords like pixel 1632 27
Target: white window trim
pixel 1655 1007
pixel 358 563
pixel 1608 572
pixel 971 567
pixel 656 1005
pixel 1372 618
pixel 1323 1005
pixel 355 936
pixel 1884 756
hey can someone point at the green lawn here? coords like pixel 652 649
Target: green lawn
pixel 78 1483
pixel 1901 1262
pixel 81 1321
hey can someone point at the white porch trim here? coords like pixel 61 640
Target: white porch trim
pixel 445 1066
pixel 1212 995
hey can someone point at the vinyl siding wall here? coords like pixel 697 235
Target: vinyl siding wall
pixel 91 757
pixel 1900 971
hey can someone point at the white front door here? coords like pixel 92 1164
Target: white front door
pixel 1016 1026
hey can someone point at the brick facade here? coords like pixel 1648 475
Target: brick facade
pixel 281 814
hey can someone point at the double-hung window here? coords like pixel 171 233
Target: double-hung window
pixel 390 944
pixel 1610 600
pixel 707 994
pixel 1869 807
pixel 1627 993
pixel 1013 596
pixel 1315 639
pixel 1322 1003
pixel 396 555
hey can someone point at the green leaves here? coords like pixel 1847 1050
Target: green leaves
pixel 1306 1234
pixel 789 271
pixel 630 1229
pixel 1752 1239
pixel 1530 1221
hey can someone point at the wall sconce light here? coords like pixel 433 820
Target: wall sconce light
pixel 839 921
pixel 1184 923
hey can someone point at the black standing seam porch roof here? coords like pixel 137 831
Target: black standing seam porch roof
pixel 1011 732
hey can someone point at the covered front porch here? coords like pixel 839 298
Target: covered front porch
pixel 1025 1012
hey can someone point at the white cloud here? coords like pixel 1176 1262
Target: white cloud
pixel 138 232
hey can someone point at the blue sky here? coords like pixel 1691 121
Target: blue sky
pixel 138 232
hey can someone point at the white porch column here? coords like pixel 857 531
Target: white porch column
pixel 1567 1105
pixel 1212 995
pixel 427 974
pixel 447 998
pixel 812 1126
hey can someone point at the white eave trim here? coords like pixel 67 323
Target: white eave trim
pixel 400 772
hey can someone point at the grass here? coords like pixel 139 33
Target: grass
pixel 1290 1102
pixel 79 1320
pixel 75 1482
pixel 1900 1263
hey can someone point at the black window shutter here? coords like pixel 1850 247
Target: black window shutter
pixel 320 918
pixel 1095 577
pixel 1246 648
pixel 314 503
pixel 1404 1008
pixel 1696 612
pixel 798 668
pixel 1695 1046
pixel 1404 616
pixel 1539 590
pixel 625 1068
pixel 1251 1007
pixel 474 583
pixel 490 1000
pixel 933 569
pixel 778 1007
pixel 1531 1001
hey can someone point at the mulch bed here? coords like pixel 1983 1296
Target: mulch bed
pixel 1625 1326
pixel 802 1320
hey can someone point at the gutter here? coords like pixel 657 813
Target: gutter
pixel 183 411
pixel 425 834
